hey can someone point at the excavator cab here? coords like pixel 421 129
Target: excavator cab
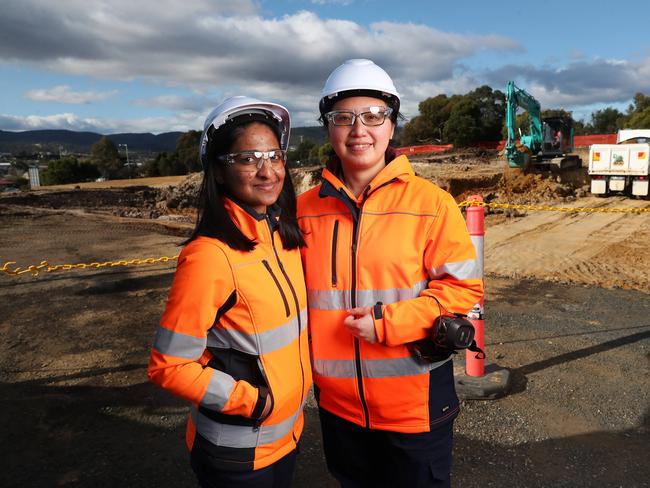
pixel 549 140
pixel 557 136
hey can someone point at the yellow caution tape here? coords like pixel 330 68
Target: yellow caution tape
pixel 46 267
pixel 550 208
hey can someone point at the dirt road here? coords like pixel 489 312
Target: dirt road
pixel 567 309
pixel 602 249
pixel 77 409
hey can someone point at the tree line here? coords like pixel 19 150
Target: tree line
pixel 461 120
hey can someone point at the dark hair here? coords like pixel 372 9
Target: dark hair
pixel 326 104
pixel 213 220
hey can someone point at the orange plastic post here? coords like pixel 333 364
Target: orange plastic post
pixel 475 221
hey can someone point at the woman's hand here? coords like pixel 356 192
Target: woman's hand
pixel 361 324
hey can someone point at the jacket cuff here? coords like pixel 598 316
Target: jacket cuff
pixel 263 392
pixel 378 316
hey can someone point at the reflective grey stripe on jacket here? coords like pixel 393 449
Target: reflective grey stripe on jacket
pixel 258 344
pixel 239 435
pixel 185 346
pixel 373 368
pixel 461 270
pixel 341 299
pixel 218 391
pixel 178 344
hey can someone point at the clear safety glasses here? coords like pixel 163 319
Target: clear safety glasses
pixel 252 161
pixel 371 116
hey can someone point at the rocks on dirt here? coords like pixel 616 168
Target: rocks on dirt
pixel 461 173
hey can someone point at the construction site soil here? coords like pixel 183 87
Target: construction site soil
pixel 567 307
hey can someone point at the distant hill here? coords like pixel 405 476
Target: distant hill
pixel 50 140
pixel 316 134
pixel 81 142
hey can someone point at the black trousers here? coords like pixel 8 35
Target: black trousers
pixel 277 475
pixel 358 457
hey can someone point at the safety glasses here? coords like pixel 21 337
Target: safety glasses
pixel 252 161
pixel 371 116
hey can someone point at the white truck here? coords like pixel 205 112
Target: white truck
pixel 621 167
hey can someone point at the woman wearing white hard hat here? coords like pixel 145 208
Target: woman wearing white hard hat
pixel 233 338
pixel 387 254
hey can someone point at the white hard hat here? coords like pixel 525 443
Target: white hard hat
pixel 358 74
pixel 242 105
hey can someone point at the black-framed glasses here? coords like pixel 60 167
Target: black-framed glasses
pixel 371 116
pixel 252 161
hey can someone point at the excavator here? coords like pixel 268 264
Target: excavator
pixel 549 141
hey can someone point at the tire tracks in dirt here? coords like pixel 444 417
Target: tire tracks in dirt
pixel 604 249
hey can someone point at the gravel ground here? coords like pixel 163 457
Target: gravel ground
pixel 79 411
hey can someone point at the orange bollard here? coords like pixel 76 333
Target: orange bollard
pixel 475 221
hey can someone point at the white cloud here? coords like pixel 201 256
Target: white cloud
pixel 225 46
pixel 71 121
pixel 218 48
pixel 64 94
pixel 332 2
pixel 174 102
pixel 580 83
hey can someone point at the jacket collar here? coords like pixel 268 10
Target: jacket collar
pixel 253 224
pixel 398 169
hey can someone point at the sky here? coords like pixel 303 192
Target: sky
pixel 156 66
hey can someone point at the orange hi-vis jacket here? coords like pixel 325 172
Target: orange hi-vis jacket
pixel 402 248
pixel 234 331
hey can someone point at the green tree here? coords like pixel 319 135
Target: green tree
pixel 325 152
pixel 556 112
pixel 463 126
pixel 640 103
pixel 580 128
pixel 20 165
pixel 314 155
pixel 491 112
pixel 639 113
pixel 640 120
pixel 69 170
pixel 187 151
pixel 105 156
pixel 427 127
pixel 460 119
pixel 606 121
pixel 152 167
pixel 169 165
pixel 300 155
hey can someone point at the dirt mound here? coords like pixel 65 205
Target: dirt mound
pixel 181 196
pixel 92 200
pixel 461 173
pixel 519 186
pixel 486 173
pixel 170 202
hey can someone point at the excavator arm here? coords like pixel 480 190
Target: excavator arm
pixel 519 154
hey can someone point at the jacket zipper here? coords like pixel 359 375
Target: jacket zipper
pixel 277 283
pixel 259 421
pixel 296 302
pixel 335 235
pixel 353 300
